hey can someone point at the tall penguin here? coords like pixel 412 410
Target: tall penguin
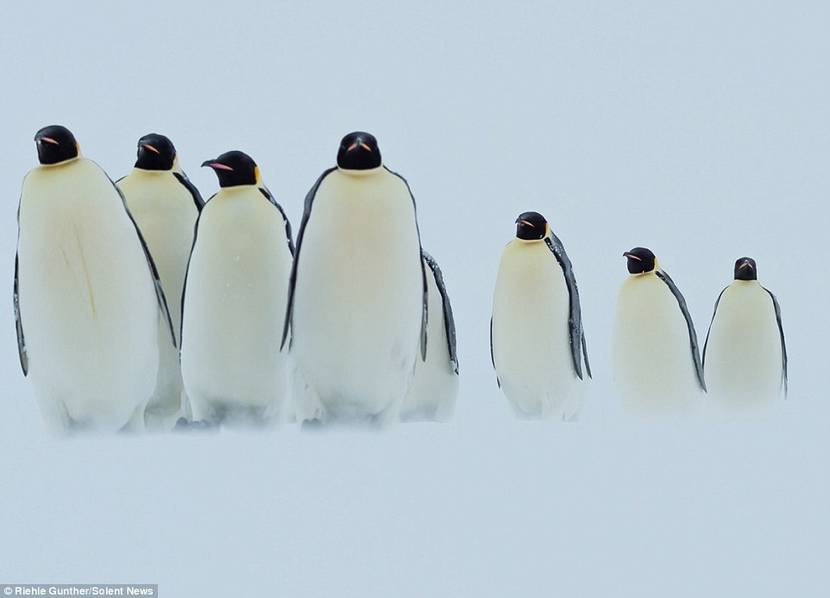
pixel 234 300
pixel 745 355
pixel 656 359
pixel 165 206
pixel 357 303
pixel 434 389
pixel 537 341
pixel 87 294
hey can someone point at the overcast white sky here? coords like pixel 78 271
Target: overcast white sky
pixel 699 129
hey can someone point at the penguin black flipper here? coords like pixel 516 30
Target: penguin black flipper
pixel 21 340
pixel 784 381
pixel 425 308
pixel 708 332
pixel 264 190
pixel 449 321
pixel 681 301
pixel 194 192
pixel 575 331
pixel 160 296
pixel 492 354
pixel 585 355
pixel 292 280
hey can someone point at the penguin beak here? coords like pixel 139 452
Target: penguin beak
pixel 526 223
pixel 216 165
pixel 48 140
pixel 746 264
pixel 151 148
pixel 631 256
pixel 358 144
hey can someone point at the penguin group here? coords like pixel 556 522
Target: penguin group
pixel 539 352
pixel 140 306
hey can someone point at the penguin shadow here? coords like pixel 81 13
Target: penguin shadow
pixel 239 419
pixel 370 423
pixel 185 426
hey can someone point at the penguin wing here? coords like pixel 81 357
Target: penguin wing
pixel 194 192
pixel 576 332
pixel 492 354
pixel 264 190
pixel 425 293
pixel 160 296
pixel 292 280
pixel 21 340
pixel 449 321
pixel 681 301
pixel 784 381
pixel 708 332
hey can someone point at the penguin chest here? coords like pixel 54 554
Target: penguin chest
pixel 743 353
pixel 531 345
pixel 165 213
pixel 358 298
pixel 236 292
pixel 652 351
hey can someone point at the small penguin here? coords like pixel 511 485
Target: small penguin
pixel 234 300
pixel 358 297
pixel 745 354
pixel 656 355
pixel 87 294
pixel 165 206
pixel 435 386
pixel 537 341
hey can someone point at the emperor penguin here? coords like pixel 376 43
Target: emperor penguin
pixel 745 354
pixel 165 206
pixel 357 296
pixel 657 363
pixel 434 389
pixel 234 300
pixel 537 340
pixel 87 294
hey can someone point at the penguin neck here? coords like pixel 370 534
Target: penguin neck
pixel 645 274
pixel 745 283
pixel 72 160
pixel 361 173
pixel 531 241
pixel 150 171
pixel 237 189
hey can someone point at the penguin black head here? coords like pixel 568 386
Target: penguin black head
pixel 155 152
pixel 234 168
pixel 531 226
pixel 745 269
pixel 640 260
pixel 358 151
pixel 55 144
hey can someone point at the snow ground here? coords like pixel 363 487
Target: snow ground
pixel 697 129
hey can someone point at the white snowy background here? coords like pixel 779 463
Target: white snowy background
pixel 699 129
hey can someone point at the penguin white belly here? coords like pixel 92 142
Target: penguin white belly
pixel 237 286
pixel 434 388
pixel 531 342
pixel 743 355
pixel 653 364
pixel 166 215
pixel 87 299
pixel 358 298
